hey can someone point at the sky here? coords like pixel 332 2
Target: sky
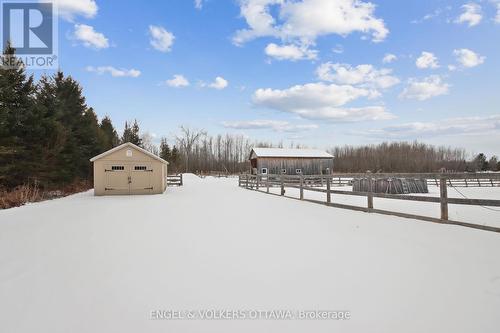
pixel 320 73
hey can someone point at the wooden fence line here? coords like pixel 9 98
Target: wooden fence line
pixel 299 182
pixel 453 179
pixel 174 180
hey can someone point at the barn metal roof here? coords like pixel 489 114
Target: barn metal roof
pixel 288 152
pixel 131 145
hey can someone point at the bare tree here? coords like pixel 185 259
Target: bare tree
pixel 187 140
pixel 147 143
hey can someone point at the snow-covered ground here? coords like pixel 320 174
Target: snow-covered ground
pixel 463 213
pixel 102 264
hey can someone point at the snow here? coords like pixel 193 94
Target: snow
pixel 289 152
pixel 102 264
pixel 472 214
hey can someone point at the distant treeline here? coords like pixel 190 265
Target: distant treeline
pixel 48 134
pixel 408 157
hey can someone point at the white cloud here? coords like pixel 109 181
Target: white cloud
pixel 389 57
pixel 363 75
pixel 275 125
pixel 453 126
pixel 198 4
pixel 426 88
pixel 68 9
pixel 290 52
pixel 115 72
pixel 427 60
pixel 161 39
pixel 471 14
pixel 429 16
pixel 89 37
pixel 304 21
pixel 320 101
pixel 497 18
pixel 468 58
pixel 178 81
pixel 219 83
pixel 338 49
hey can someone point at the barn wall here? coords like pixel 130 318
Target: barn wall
pixel 309 166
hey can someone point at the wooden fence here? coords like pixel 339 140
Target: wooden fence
pixel 310 183
pixel 174 180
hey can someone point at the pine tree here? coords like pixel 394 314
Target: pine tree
pixel 174 158
pixel 132 134
pixel 136 135
pixel 109 137
pixel 165 151
pixel 127 134
pixel 16 113
pixel 480 162
pixel 78 139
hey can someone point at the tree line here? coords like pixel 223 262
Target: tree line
pixel 48 134
pixel 408 157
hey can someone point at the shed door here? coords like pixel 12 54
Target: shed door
pixel 117 178
pixel 141 180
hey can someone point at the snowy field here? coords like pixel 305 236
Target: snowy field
pixel 463 213
pixel 103 264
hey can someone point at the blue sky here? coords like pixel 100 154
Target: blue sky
pixel 292 71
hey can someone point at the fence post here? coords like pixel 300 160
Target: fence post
pixel 328 194
pixel 282 185
pixel 301 187
pixel 181 180
pixel 370 194
pixel 257 182
pixel 267 183
pixel 443 193
pixel 246 179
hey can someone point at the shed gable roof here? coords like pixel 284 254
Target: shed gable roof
pixel 289 152
pixel 130 145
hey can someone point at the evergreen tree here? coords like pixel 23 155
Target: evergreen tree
pixel 132 134
pixel 174 158
pixel 136 136
pixel 77 139
pixel 480 162
pixel 165 151
pixel 109 137
pixel 127 134
pixel 16 113
pixel 493 163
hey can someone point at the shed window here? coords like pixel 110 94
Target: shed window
pixel 263 171
pixel 140 168
pixel 129 153
pixel 283 171
pixel 117 168
pixel 298 171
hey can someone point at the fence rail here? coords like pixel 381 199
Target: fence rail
pixel 174 180
pixel 442 180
